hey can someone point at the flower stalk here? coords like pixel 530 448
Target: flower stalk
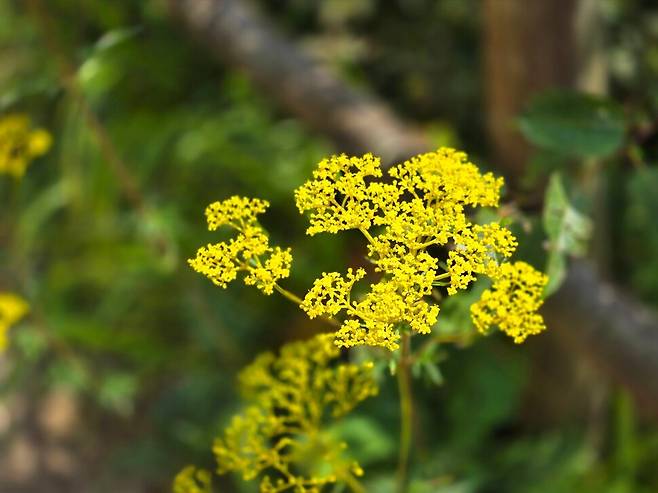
pixel 406 414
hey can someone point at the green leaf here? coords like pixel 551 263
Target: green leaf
pixel 433 373
pixel 117 392
pixel 41 210
pixel 426 365
pixel 568 232
pixel 367 439
pixel 31 343
pixel 568 229
pixel 556 270
pixel 69 374
pixel 115 37
pixel 575 124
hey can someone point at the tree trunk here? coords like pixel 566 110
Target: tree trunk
pixel 529 47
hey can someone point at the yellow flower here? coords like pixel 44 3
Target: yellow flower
pixel 238 212
pixel 420 240
pixel 479 249
pixel 19 144
pixel 192 480
pixel 282 434
pixel 248 252
pixel 338 194
pixel 264 276
pixel 448 175
pixel 423 206
pixel 331 293
pixel 512 302
pixel 12 309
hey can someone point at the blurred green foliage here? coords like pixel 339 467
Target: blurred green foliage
pixel 151 349
pixel 573 124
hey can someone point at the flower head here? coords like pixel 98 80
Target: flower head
pixel 338 195
pixel 293 396
pixel 249 251
pixel 420 211
pixel 12 309
pixel 20 144
pixel 512 302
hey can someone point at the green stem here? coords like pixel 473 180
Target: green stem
pixel 298 301
pixel 287 294
pixel 354 484
pixel 367 235
pixel 458 339
pixel 406 414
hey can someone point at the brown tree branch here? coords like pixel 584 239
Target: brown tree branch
pixel 617 332
pixel 621 334
pixel 356 122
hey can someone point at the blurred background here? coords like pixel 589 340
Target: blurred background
pixel 124 370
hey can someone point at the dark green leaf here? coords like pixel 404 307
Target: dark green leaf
pixel 574 124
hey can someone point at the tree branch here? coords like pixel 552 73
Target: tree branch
pixel 620 333
pixel 237 35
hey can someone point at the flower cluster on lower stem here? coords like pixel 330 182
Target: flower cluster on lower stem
pixel 192 480
pixel 294 396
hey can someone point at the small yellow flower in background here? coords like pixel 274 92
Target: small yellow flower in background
pixel 512 302
pixel 424 204
pixel 248 252
pixel 12 309
pixel 192 480
pixel 294 396
pixel 20 144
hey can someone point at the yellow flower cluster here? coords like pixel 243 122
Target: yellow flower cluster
pixel 248 252
pixel 12 309
pixel 20 144
pixel 192 480
pixel 338 194
pixel 478 250
pixel 512 302
pixel 422 205
pixel 282 434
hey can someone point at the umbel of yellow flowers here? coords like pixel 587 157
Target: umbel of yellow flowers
pixel 282 435
pixel 20 144
pixel 420 209
pixel 12 309
pixel 248 252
